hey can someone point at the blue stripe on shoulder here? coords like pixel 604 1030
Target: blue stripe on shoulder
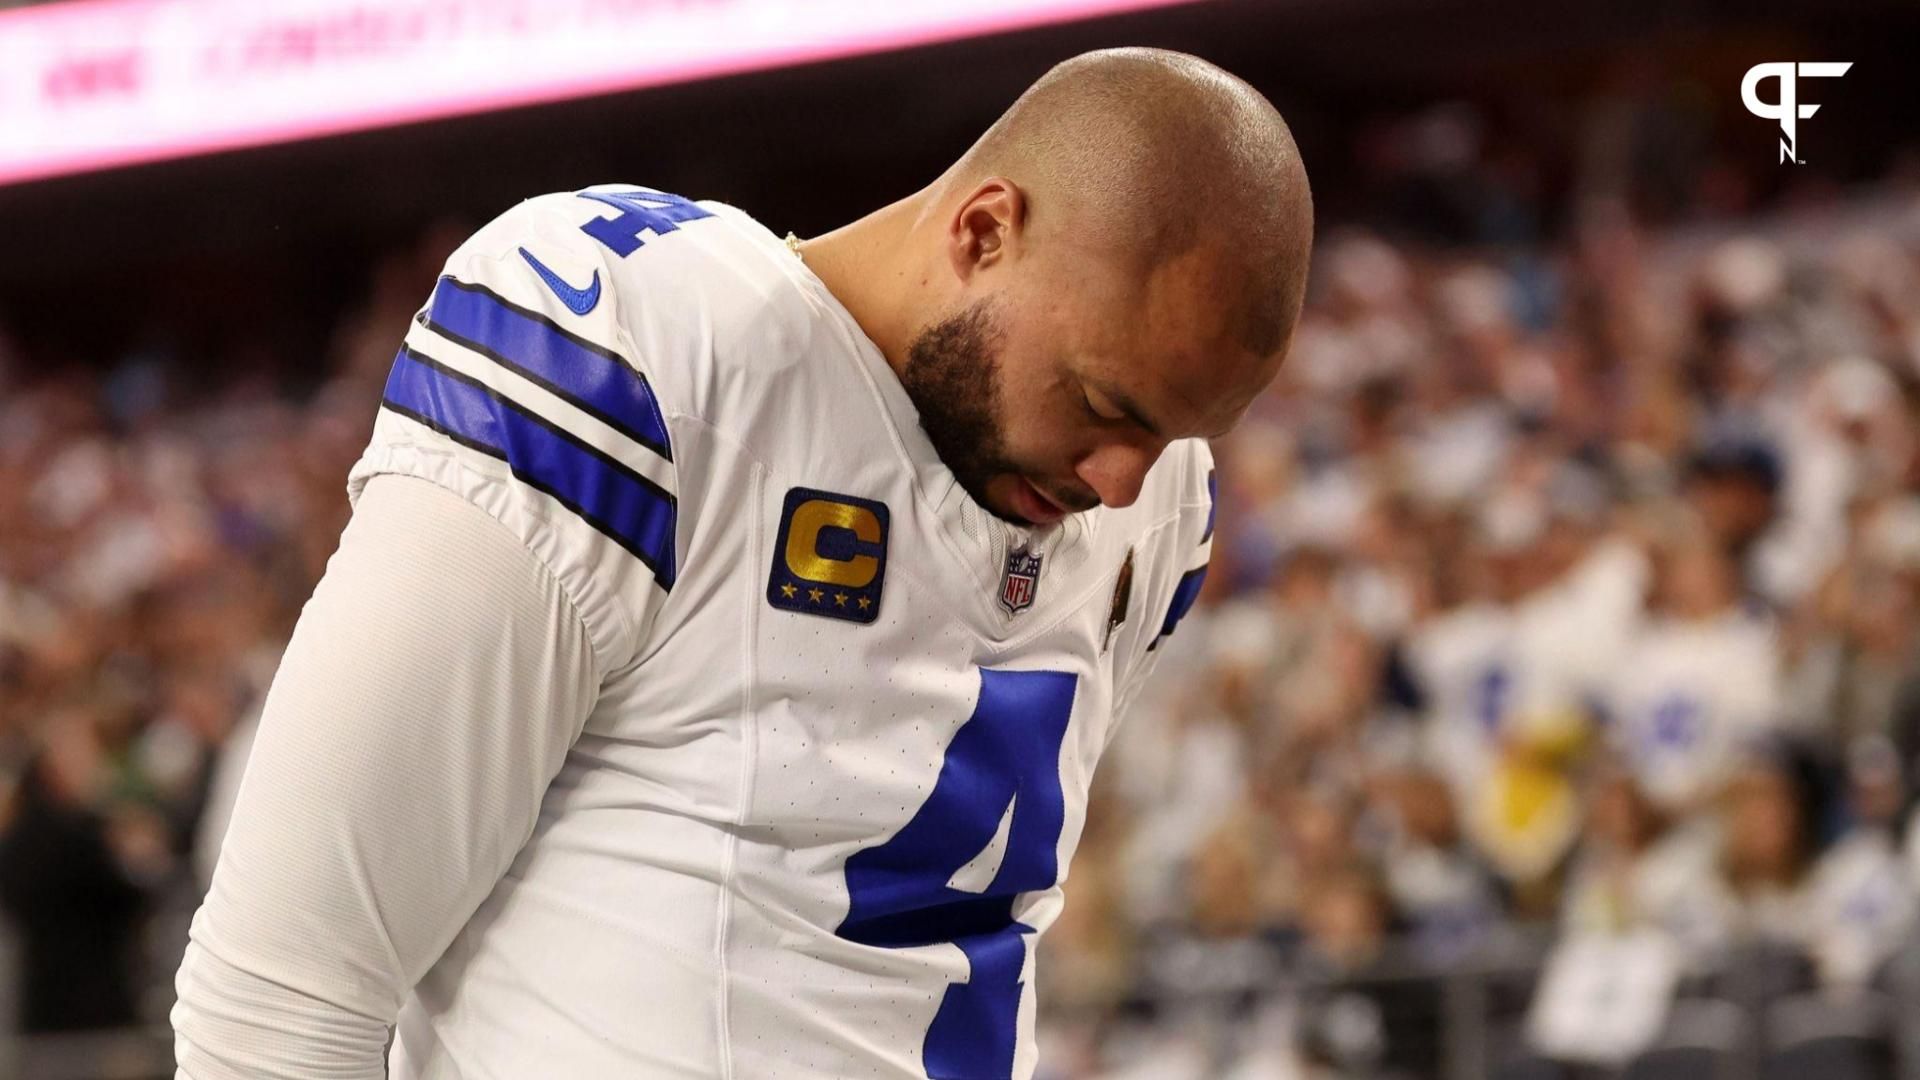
pixel 1184 594
pixel 595 379
pixel 630 509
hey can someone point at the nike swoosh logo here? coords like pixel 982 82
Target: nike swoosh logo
pixel 578 301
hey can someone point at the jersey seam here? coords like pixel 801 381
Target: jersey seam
pixel 749 756
pixel 537 510
pixel 560 585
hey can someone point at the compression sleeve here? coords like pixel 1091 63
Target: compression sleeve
pixel 429 694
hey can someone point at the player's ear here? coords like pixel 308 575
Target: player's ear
pixel 986 227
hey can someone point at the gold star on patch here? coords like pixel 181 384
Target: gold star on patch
pixel 840 599
pixel 815 595
pixel 788 590
pixel 865 603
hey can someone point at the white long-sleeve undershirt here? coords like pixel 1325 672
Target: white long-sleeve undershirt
pixel 426 700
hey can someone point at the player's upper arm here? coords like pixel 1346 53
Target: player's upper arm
pixel 518 387
pixel 429 695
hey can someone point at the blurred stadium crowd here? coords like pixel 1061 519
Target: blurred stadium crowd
pixel 163 528
pixel 1572 587
pixel 1566 586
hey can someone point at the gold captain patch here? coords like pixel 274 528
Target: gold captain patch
pixel 829 556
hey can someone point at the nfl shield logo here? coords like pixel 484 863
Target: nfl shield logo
pixel 1021 580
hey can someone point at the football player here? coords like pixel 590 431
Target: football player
pixel 712 674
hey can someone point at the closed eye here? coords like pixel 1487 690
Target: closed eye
pixel 1112 405
pixel 1093 409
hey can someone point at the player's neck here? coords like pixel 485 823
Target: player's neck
pixel 861 264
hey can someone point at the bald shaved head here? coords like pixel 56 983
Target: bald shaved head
pixel 1117 263
pixel 1143 155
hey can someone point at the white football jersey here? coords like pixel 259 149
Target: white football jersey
pixel 833 780
pixel 1689 697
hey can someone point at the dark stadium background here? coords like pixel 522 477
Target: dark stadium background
pixel 246 269
pixel 284 234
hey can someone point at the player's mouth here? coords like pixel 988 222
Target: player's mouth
pixel 1034 504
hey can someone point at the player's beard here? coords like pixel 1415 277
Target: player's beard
pixel 953 376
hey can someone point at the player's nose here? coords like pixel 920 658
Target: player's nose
pixel 1117 471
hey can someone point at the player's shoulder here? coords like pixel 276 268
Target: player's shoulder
pixel 698 291
pixel 616 224
pixel 1170 526
pixel 1167 535
pixel 1179 492
pixel 1188 473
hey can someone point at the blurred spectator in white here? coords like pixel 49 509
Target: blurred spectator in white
pixel 1865 900
pixel 1640 868
pixel 1846 906
pixel 1575 588
pixel 1698 683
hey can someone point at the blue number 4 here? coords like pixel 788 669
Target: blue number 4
pixel 640 210
pixel 1006 754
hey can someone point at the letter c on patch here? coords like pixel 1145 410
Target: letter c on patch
pixel 813 518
